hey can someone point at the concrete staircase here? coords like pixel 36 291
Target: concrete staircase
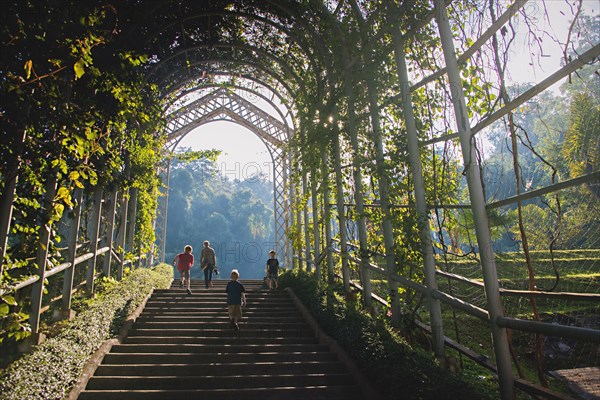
pixel 181 347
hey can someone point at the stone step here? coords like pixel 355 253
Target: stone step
pixel 232 339
pixel 221 369
pixel 230 334
pixel 175 382
pixel 221 309
pixel 202 300
pixel 288 393
pixel 193 358
pixel 248 323
pixel 225 348
pixel 221 318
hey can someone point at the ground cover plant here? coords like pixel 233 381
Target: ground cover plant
pixel 51 370
pixel 389 362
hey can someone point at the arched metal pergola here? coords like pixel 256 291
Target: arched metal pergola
pixel 369 93
pixel 224 104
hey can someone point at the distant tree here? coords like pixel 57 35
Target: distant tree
pixel 235 216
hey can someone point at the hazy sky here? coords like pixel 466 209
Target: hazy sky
pixel 244 154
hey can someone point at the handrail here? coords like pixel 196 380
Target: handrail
pixel 525 293
pixel 61 267
pixel 482 360
pixel 584 334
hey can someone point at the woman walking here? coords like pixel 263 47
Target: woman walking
pixel 208 262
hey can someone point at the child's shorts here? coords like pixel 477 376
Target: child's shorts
pixel 235 311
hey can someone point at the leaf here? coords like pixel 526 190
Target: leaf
pixel 10 300
pixel 4 309
pixel 79 68
pixel 28 66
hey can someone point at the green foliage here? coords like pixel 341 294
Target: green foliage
pixel 581 147
pixel 51 370
pixel 391 364
pixel 235 216
pixel 76 108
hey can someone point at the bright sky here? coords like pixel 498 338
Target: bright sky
pixel 530 65
pixel 243 153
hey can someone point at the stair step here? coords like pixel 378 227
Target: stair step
pixel 288 393
pixel 215 382
pixel 193 358
pixel 225 348
pixel 224 333
pixel 219 340
pixel 222 369
pixel 248 324
pixel 218 318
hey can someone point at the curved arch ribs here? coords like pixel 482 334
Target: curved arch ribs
pixel 226 105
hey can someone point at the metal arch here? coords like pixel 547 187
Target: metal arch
pixel 180 88
pixel 223 101
pixel 239 88
pixel 224 105
pixel 269 73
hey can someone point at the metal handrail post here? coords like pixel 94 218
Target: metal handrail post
pixel 110 231
pixel 94 233
pixel 482 229
pixel 435 310
pixel 67 291
pixel 37 289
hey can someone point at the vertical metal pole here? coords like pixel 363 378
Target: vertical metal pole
pixel 166 208
pixel 340 210
pixel 435 311
pixel 307 244
pixel 121 236
pixel 37 289
pixel 110 231
pixel 292 217
pixel 327 213
pixel 131 213
pixel 94 233
pixel 388 233
pixel 358 180
pixel 297 200
pixel 6 203
pixel 316 225
pixel 67 292
pixel 482 229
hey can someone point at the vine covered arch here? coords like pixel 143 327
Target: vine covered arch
pixel 412 160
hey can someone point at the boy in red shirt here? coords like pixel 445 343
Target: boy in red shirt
pixel 185 261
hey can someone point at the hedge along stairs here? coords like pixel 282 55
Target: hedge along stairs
pixel 181 347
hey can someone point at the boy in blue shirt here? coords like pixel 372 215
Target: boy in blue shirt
pixel 236 299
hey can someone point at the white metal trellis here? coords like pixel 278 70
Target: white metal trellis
pixel 226 105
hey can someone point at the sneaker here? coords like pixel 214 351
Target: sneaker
pixel 189 291
pixel 181 284
pixel 236 327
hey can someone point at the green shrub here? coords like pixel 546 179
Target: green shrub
pixel 52 369
pixel 390 363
